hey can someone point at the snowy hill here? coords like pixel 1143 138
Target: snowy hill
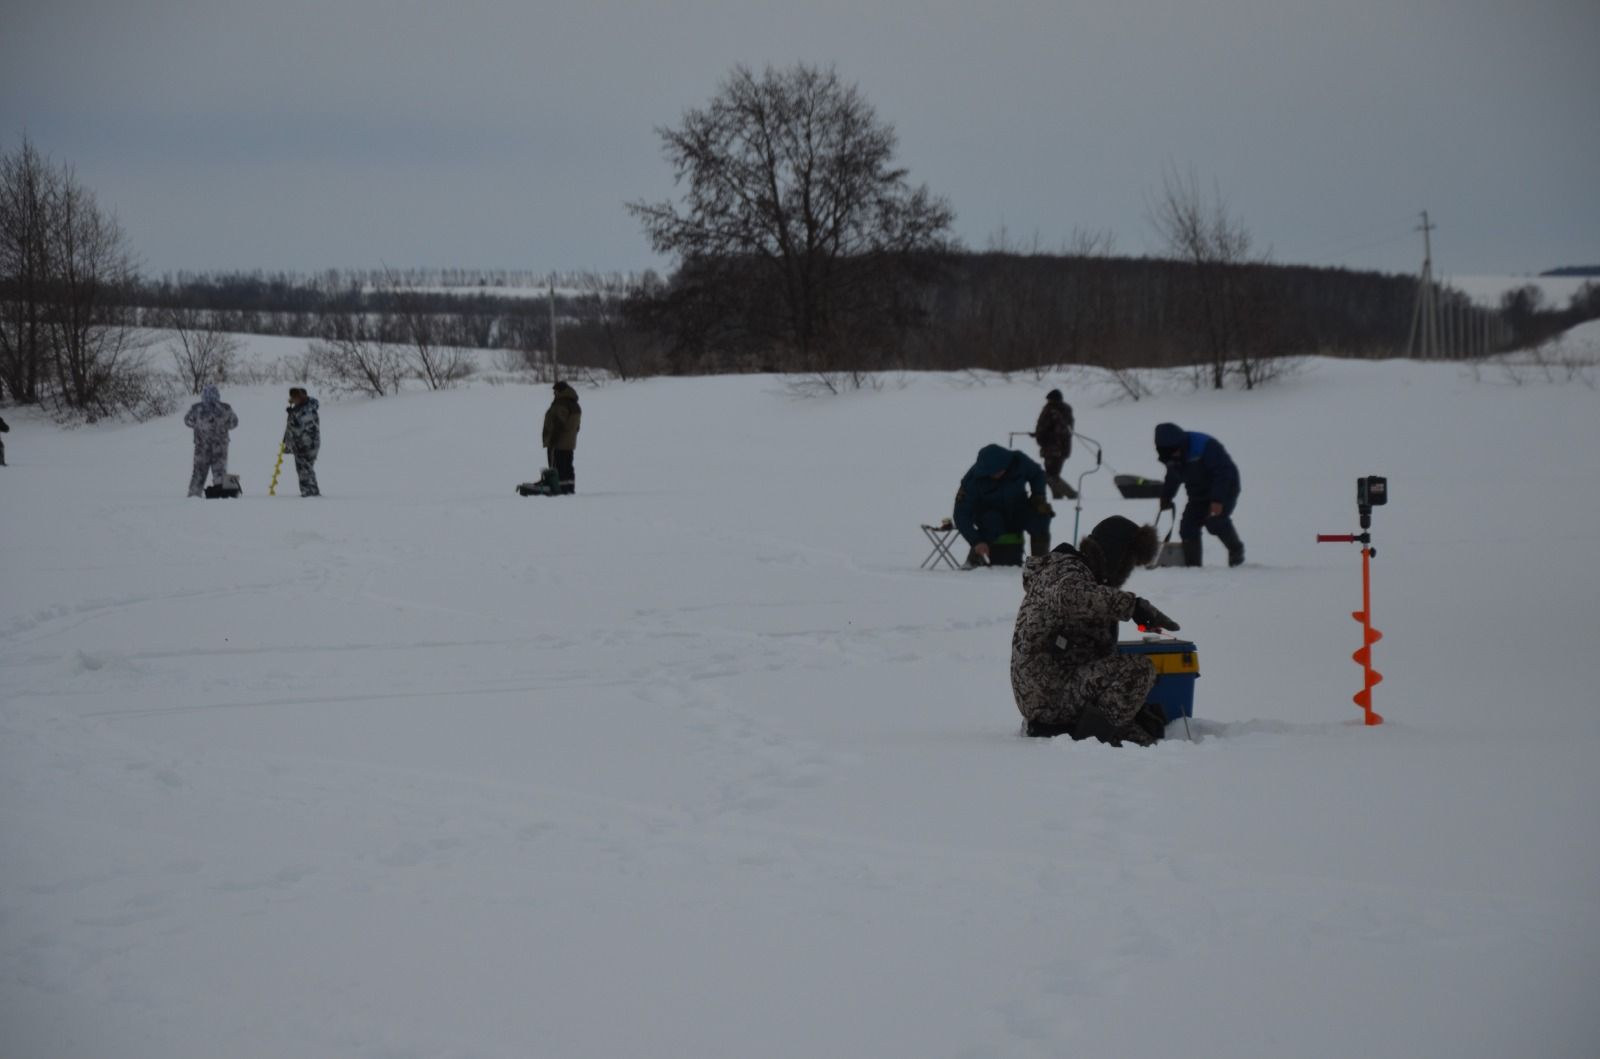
pixel 698 762
pixel 1557 291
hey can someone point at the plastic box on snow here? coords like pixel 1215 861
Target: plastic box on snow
pixel 1177 668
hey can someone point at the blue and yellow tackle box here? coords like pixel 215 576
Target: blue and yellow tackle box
pixel 1177 668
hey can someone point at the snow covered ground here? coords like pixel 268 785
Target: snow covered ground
pixel 699 763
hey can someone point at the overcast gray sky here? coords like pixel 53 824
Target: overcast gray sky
pixel 303 134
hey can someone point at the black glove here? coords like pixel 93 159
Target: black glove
pixel 1145 613
pixel 1042 506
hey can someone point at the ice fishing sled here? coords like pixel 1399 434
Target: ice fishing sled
pixel 1137 487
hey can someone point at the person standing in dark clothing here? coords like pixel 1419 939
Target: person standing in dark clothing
pixel 1002 493
pixel 3 430
pixel 1200 464
pixel 561 422
pixel 1053 432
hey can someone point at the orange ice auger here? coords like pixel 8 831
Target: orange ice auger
pixel 1371 491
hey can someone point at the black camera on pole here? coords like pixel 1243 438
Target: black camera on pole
pixel 1371 491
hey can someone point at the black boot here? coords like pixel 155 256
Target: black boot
pixel 1235 546
pixel 1039 544
pixel 1191 552
pixel 1153 720
pixel 1042 730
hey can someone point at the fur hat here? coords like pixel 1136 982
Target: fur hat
pixel 1115 546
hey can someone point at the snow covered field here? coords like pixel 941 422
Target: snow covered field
pixel 699 763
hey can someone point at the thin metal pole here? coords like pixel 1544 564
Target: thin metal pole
pixel 555 363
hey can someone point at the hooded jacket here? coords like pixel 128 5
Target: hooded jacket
pixel 1053 431
pixel 1067 619
pixel 1206 470
pixel 981 492
pixel 210 418
pixel 303 435
pixel 562 419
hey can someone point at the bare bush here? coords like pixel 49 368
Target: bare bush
pixel 1550 362
pixel 200 352
pixel 431 343
pixel 604 334
pixel 352 356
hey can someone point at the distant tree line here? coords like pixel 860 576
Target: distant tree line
pixel 801 248
pixel 1531 321
pixel 1011 311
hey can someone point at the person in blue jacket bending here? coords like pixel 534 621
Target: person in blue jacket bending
pixel 1002 493
pixel 1199 463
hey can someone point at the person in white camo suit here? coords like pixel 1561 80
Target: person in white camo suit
pixel 210 418
pixel 1066 673
pixel 302 438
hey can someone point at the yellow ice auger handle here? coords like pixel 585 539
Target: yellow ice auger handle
pixel 272 490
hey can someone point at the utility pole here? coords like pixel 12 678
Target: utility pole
pixel 555 364
pixel 1425 312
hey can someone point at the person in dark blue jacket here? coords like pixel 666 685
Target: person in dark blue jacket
pixel 1200 464
pixel 1002 493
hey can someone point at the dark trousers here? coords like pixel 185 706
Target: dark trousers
pixel 992 522
pixel 561 460
pixel 1197 515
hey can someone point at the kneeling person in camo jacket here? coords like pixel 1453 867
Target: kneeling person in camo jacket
pixel 303 437
pixel 1066 674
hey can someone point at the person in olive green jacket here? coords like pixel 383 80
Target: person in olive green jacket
pixel 561 435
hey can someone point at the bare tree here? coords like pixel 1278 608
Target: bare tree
pixel 67 335
pixel 201 352
pixel 795 217
pixel 99 360
pixel 28 189
pixel 1205 234
pixel 431 343
pixel 354 355
pixel 604 334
